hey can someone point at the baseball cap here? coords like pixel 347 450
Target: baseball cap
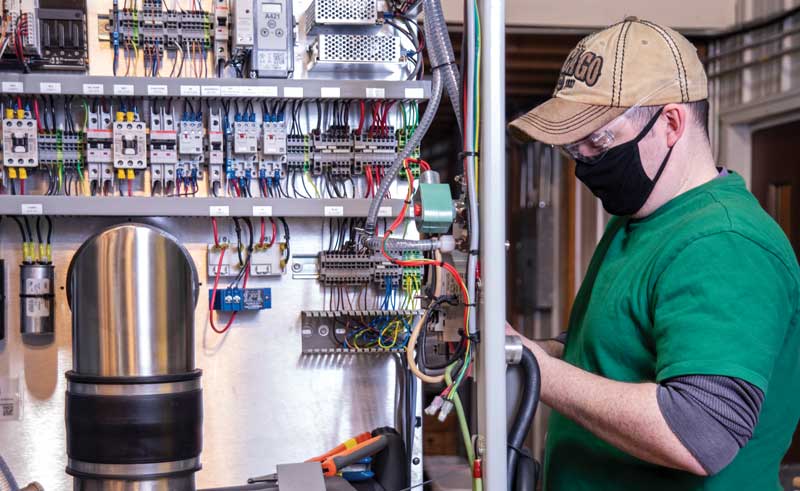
pixel 632 63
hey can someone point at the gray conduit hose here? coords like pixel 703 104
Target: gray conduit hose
pixel 10 483
pixel 529 399
pixel 445 73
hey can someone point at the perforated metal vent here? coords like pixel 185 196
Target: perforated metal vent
pixel 345 11
pixel 355 48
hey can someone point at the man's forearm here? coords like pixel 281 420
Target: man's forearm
pixel 552 347
pixel 625 415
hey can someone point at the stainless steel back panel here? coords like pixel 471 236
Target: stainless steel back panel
pixel 264 402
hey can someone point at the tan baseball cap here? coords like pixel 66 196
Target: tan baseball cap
pixel 632 63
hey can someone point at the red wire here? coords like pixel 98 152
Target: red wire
pixel 274 231
pixel 22 186
pixel 368 177
pixel 36 112
pixel 216 233
pixel 263 232
pixel 361 117
pixel 130 188
pixel 214 298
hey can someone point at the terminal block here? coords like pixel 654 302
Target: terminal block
pixel 375 151
pixel 333 152
pixel 298 152
pixel 60 147
pixel 356 331
pixel 403 134
pixel 20 144
pixel 351 269
pixel 163 149
pixel 130 147
pixel 264 261
pixel 99 143
pixel 240 299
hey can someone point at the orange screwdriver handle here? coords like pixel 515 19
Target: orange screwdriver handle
pixel 342 447
pixel 332 465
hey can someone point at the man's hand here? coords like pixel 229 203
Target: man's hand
pixel 625 415
pixel 550 346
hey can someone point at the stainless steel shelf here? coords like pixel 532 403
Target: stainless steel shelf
pixel 72 84
pixel 190 207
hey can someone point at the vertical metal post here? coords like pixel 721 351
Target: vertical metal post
pixel 492 200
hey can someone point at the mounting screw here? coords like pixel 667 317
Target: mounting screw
pixel 415 461
pixel 297 267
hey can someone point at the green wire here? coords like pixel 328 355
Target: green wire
pixel 462 420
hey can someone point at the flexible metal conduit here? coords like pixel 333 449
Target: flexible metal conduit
pixel 445 74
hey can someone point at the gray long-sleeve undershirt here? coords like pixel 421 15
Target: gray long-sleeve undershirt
pixel 713 416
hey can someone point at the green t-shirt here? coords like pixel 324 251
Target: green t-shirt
pixel 707 285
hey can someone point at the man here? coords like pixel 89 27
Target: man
pixel 681 365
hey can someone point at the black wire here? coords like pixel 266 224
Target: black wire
pixel 286 236
pixel 38 228
pixel 49 229
pixel 21 229
pixel 28 228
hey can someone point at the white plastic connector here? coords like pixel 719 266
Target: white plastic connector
pixel 447 243
pixel 445 411
pixel 435 406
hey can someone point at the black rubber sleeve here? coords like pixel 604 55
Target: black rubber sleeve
pixel 134 429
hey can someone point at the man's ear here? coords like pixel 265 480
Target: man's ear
pixel 676 116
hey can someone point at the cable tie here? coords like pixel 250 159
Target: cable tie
pixel 463 155
pixel 473 304
pixel 475 337
pixel 443 65
pixel 474 252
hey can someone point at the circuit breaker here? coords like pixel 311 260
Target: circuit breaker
pixel 274 39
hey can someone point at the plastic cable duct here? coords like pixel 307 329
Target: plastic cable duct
pixel 445 73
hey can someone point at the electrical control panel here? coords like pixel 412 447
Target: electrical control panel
pixel 273 29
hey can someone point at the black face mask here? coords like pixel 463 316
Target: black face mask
pixel 618 178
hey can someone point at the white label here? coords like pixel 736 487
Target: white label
pixel 306 332
pixel 262 211
pixel 293 92
pixel 231 91
pixel 123 89
pixel 334 211
pixel 219 211
pixel 157 90
pixel 93 89
pixel 15 87
pixel 37 286
pixel 10 399
pixel 376 93
pixel 31 208
pixel 50 87
pixel 190 90
pixel 210 90
pixel 330 92
pixel 266 91
pixel 415 93
pixel 37 307
pixel 248 91
pixel 340 331
pixel 385 211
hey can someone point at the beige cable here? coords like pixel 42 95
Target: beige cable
pixel 412 341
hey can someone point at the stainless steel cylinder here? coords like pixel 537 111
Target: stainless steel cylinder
pixel 134 401
pixel 36 306
pixel 132 289
pixel 430 177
